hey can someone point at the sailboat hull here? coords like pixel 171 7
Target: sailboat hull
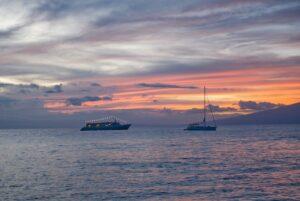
pixel 201 128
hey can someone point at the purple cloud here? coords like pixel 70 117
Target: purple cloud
pixel 161 85
pixel 79 101
pixel 252 105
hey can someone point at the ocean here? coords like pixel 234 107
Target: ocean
pixel 233 163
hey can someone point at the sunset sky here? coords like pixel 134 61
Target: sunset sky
pixel 137 58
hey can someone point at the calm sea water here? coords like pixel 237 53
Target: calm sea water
pixel 234 163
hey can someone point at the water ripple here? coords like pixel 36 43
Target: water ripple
pixel 234 163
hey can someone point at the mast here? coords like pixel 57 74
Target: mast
pixel 212 113
pixel 204 108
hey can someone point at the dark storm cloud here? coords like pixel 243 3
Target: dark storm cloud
pixel 161 85
pixel 252 105
pixel 79 101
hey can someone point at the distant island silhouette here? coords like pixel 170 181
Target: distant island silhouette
pixel 289 114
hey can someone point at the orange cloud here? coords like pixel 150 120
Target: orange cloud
pixel 224 88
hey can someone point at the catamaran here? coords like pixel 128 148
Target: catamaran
pixel 203 126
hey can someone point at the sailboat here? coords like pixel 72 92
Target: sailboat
pixel 203 126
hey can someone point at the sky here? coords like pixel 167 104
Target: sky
pixel 62 62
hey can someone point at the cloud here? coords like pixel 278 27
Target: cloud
pixel 118 31
pixel 56 89
pixel 219 64
pixel 29 86
pixel 161 85
pixel 79 101
pixel 23 88
pixel 252 105
pixel 214 108
pixel 94 84
pixel 217 108
pixel 106 98
pixel 147 42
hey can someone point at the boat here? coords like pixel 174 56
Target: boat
pixel 203 126
pixel 107 123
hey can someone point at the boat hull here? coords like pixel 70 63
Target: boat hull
pixel 102 128
pixel 201 128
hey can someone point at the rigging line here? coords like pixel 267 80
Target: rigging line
pixel 212 113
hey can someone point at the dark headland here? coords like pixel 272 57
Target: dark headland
pixel 289 114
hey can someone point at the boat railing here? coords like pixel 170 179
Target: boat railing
pixel 107 119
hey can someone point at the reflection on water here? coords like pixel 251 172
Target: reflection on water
pixel 234 163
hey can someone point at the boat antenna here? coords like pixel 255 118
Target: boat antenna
pixel 204 108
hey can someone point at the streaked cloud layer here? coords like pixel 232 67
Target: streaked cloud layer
pixel 89 56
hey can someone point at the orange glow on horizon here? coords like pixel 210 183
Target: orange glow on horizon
pixel 224 89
